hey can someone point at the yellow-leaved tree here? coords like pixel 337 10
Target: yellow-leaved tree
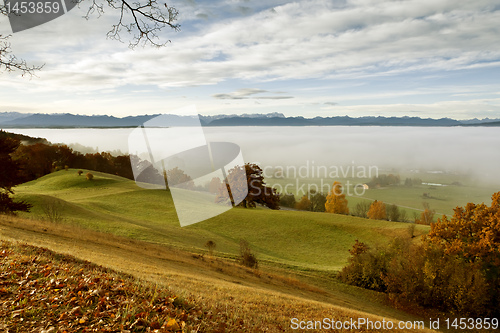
pixel 336 201
pixel 377 211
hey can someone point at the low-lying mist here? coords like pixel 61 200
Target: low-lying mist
pixel 474 151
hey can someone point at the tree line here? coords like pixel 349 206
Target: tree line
pixel 455 268
pixel 335 202
pixel 35 157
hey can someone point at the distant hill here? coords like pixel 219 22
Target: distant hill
pixel 71 120
pixel 490 123
pixel 273 121
pixel 27 140
pixel 9 116
pixel 67 120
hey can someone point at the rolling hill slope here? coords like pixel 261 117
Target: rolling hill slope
pixel 116 205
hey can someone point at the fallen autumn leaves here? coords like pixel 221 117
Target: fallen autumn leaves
pixel 42 291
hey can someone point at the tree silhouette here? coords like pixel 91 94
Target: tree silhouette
pixel 10 176
pixel 258 192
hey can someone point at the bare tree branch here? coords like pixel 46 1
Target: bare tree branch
pixel 144 21
pixel 9 62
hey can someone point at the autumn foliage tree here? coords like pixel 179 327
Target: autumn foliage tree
pixel 455 269
pixel 214 185
pixel 336 201
pixel 377 211
pixel 427 216
pixel 473 233
pixel 304 203
pixel 177 177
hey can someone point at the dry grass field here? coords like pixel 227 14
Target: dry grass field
pixel 231 296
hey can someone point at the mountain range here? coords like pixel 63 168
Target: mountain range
pixel 67 120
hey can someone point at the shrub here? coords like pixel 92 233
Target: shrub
pixel 426 276
pixel 89 176
pixel 423 275
pixel 366 268
pixel 210 245
pixel 246 256
pixel 52 210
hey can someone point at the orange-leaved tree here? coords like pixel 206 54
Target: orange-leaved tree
pixel 472 236
pixel 427 216
pixel 304 203
pixel 473 233
pixel 336 201
pixel 377 211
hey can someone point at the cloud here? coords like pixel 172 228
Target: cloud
pixel 274 97
pixel 202 16
pixel 304 47
pixel 247 93
pixel 244 10
pixel 299 40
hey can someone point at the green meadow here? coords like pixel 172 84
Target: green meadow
pixel 303 240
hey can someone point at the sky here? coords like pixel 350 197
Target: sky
pixel 425 58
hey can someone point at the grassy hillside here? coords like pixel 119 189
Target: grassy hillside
pixel 113 204
pixel 226 296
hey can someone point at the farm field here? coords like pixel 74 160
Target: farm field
pixel 443 192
